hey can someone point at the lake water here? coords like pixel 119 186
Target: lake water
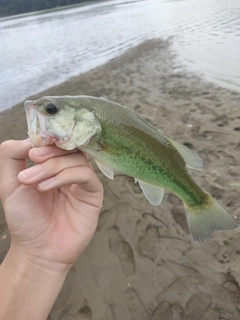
pixel 41 50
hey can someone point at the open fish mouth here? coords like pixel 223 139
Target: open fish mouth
pixel 37 126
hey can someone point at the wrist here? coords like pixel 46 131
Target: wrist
pixel 30 287
pixel 34 261
pixel 27 265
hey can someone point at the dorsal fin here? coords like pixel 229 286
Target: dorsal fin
pixel 191 158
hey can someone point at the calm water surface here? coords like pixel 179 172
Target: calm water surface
pixel 41 50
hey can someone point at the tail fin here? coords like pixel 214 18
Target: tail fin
pixel 202 221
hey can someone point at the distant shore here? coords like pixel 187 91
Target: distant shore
pixel 16 9
pixel 141 256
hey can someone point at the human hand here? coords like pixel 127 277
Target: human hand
pixel 51 208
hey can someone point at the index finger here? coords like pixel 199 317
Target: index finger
pixel 41 154
pixel 15 149
pixel 13 155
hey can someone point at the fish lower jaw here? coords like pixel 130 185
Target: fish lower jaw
pixel 49 139
pixel 42 140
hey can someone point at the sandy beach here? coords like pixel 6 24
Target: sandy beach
pixel 142 263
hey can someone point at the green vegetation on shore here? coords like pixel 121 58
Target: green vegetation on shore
pixel 10 7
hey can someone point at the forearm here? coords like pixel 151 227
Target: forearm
pixel 27 291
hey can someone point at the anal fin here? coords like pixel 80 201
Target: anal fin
pixel 153 193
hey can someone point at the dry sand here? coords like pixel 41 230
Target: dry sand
pixel 142 263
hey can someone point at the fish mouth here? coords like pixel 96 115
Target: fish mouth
pixel 37 126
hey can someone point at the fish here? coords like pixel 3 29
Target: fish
pixel 120 139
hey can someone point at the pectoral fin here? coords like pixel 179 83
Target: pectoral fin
pixel 152 193
pixel 191 158
pixel 105 169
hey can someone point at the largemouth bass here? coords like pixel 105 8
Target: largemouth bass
pixel 119 139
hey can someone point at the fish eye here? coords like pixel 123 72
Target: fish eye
pixel 51 108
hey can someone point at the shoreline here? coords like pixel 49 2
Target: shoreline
pixel 142 256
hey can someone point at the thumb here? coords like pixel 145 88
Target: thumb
pixel 13 155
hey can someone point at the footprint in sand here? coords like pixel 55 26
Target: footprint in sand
pixel 221 157
pixel 236 129
pixel 231 290
pixel 84 313
pixel 104 216
pixel 222 120
pixel 178 212
pixel 164 311
pixel 197 306
pixel 122 250
pixel 135 306
pixel 168 311
pixel 148 244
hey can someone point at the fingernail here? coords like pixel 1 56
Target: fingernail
pixel 47 182
pixel 31 172
pixel 40 152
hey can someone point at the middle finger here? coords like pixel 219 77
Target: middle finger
pixel 51 167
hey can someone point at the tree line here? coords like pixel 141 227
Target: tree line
pixel 10 7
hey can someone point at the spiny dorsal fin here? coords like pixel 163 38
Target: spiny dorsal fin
pixel 191 158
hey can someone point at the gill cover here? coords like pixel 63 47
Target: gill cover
pixel 86 126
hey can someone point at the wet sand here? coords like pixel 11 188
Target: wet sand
pixel 142 264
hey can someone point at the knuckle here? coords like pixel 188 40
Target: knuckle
pixel 81 174
pixel 87 172
pixel 5 150
pixel 54 164
pixel 5 145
